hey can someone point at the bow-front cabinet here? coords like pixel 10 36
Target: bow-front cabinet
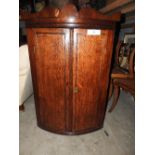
pixel 70 55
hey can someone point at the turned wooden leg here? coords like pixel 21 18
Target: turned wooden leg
pixel 110 90
pixel 22 107
pixel 115 97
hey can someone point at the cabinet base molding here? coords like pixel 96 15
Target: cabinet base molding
pixel 70 133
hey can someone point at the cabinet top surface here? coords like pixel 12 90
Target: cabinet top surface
pixel 69 15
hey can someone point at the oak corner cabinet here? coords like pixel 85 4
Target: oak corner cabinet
pixel 70 56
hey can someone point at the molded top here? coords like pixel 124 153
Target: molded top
pixel 69 15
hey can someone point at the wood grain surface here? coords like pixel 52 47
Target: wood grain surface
pixel 89 52
pixel 50 66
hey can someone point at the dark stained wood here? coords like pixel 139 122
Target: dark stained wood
pixel 51 71
pixel 88 67
pixel 106 74
pixel 70 69
pixel 69 17
pixel 115 98
pixel 67 14
pixel 122 79
pixel 127 84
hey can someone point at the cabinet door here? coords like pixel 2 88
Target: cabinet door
pixel 49 62
pixel 91 65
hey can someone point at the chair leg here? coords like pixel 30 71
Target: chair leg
pixel 110 90
pixel 22 107
pixel 115 97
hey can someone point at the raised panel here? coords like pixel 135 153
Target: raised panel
pixel 51 59
pixel 91 63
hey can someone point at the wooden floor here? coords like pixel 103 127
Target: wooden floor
pixel 116 138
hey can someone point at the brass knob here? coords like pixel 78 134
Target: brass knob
pixel 76 90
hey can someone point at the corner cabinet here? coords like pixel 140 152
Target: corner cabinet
pixel 70 56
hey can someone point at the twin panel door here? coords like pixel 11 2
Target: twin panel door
pixel 70 72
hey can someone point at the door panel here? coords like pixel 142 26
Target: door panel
pixel 90 77
pixel 70 72
pixel 51 58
